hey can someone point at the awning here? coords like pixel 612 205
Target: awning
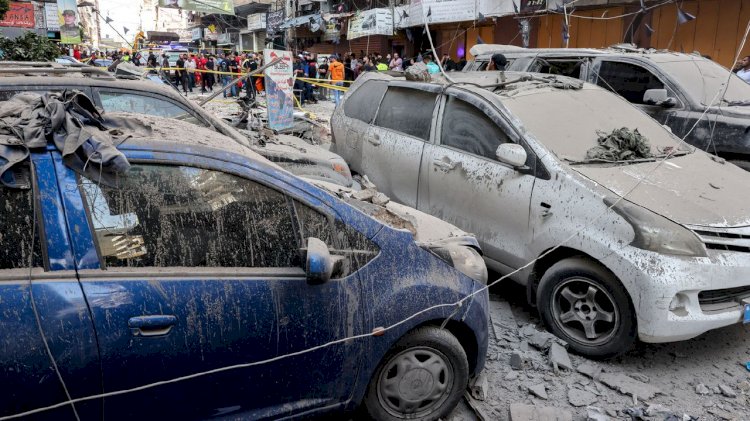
pixel 163 36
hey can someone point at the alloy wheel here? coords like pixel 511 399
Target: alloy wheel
pixel 585 311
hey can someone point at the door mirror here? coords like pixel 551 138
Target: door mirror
pixel 659 97
pixel 511 154
pixel 318 263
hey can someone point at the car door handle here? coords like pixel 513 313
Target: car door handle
pixel 444 164
pixel 375 139
pixel 151 325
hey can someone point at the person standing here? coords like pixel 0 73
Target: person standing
pixel 337 77
pixel 210 76
pixel 165 74
pixel 234 68
pixel 396 64
pixel 190 66
pixel 323 74
pixel 181 72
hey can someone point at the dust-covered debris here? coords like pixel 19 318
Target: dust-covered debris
pixel 701 389
pixel 727 391
pixel 538 390
pixel 523 412
pixel 578 397
pixel 594 413
pixel 559 357
pixel 629 386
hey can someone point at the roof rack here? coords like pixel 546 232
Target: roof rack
pixel 41 68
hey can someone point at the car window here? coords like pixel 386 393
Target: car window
pixel 363 103
pixel 630 81
pixel 171 216
pixel 143 104
pixel 408 111
pixel 563 67
pixel 467 128
pixel 17 230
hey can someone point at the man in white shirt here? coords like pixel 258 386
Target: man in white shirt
pixel 742 68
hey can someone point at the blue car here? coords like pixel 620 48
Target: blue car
pixel 209 283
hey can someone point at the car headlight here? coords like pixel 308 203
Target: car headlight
pixel 656 233
pixel 465 260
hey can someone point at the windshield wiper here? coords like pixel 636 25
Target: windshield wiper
pixel 629 161
pixel 743 103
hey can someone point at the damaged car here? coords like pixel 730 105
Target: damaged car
pixel 113 94
pixel 691 94
pixel 156 275
pixel 618 229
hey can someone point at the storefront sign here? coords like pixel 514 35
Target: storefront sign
pixel 279 84
pixel 256 22
pixel 196 34
pixel 370 22
pixel 51 16
pixel 221 7
pixel 70 33
pixel 20 15
pixel 332 30
pixel 440 11
pixel 528 6
pixel 273 21
pixel 210 34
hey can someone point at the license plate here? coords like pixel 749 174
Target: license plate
pixel 746 314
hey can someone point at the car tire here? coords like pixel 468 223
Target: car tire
pixel 745 165
pixel 421 378
pixel 583 303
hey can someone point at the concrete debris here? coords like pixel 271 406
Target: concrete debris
pixel 518 360
pixel 590 370
pixel 701 389
pixel 512 375
pixel 629 386
pixel 640 377
pixel 657 410
pixel 540 339
pixel 722 414
pixel 380 199
pixel 727 391
pixel 538 390
pixel 558 355
pixel 596 414
pixel 635 414
pixel 744 387
pixel 502 318
pixel 523 412
pixel 364 195
pixel 578 397
pixel 480 387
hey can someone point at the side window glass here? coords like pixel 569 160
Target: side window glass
pixel 628 80
pixel 408 111
pixel 569 67
pixel 363 103
pixel 142 104
pixel 169 216
pixel 469 129
pixel 17 230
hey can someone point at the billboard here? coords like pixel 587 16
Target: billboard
pixel 438 11
pixel 279 84
pixel 273 21
pixel 70 32
pixel 20 15
pixel 221 7
pixel 370 22
pixel 256 22
pixel 51 16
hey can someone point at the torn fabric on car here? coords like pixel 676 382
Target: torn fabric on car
pixel 620 145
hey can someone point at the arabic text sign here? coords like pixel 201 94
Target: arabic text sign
pixel 221 7
pixel 256 22
pixel 273 21
pixel 370 22
pixel 441 11
pixel 20 15
pixel 279 84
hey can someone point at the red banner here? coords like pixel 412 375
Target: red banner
pixel 20 15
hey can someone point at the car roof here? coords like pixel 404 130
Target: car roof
pixel 623 50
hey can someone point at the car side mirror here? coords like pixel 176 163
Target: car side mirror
pixel 511 154
pixel 659 97
pixel 318 263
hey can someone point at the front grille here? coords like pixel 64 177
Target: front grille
pixel 735 239
pixel 717 296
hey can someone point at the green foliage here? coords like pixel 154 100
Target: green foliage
pixel 29 47
pixel 4 7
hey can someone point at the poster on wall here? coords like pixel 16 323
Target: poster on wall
pixel 51 16
pixel 279 83
pixel 220 7
pixel 273 21
pixel 70 32
pixel 20 15
pixel 370 22
pixel 440 11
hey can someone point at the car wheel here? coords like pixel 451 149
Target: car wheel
pixel 422 377
pixel 745 165
pixel 584 304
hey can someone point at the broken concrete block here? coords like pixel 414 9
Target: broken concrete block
pixel 364 195
pixel 640 377
pixel 590 370
pixel 538 390
pixel 578 397
pixel 480 387
pixel 527 330
pixel 380 199
pixel 727 391
pixel 522 412
pixel 518 360
pixel 701 389
pixel 657 410
pixel 512 375
pixel 744 386
pixel 558 355
pixel 596 414
pixel 629 386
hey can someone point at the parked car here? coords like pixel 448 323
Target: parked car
pixel 145 97
pixel 204 255
pixel 67 60
pixel 674 88
pixel 101 62
pixel 508 162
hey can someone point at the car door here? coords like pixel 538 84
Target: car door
pixel 467 186
pixel 129 101
pixel 49 351
pixel 199 268
pixel 351 127
pixel 392 152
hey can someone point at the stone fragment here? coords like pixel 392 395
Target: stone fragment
pixel 512 375
pixel 558 355
pixel 590 370
pixel 523 412
pixel 364 195
pixel 538 390
pixel 629 386
pixel 727 391
pixel 380 199
pixel 480 387
pixel 640 377
pixel 657 410
pixel 517 360
pixel 701 389
pixel 596 414
pixel 578 397
pixel 744 386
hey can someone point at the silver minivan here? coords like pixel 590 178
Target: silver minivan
pixel 507 157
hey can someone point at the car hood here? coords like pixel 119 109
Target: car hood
pixel 695 189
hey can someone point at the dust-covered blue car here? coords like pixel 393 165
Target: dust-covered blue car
pixel 224 285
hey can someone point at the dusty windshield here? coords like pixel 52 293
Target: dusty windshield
pixel 569 122
pixel 702 79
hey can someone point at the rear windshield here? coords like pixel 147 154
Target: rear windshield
pixel 702 79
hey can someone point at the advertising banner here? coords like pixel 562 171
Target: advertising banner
pixel 279 84
pixel 51 16
pixel 439 11
pixel 210 33
pixel 274 21
pixel 20 15
pixel 370 22
pixel 221 7
pixel 67 11
pixel 256 22
pixel 528 6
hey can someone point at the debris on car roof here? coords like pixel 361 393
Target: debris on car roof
pixel 32 68
pixel 620 145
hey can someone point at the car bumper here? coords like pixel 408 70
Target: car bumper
pixel 678 298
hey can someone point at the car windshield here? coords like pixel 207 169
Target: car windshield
pixel 568 122
pixel 703 78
